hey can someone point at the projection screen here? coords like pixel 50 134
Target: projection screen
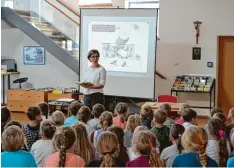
pixel 126 40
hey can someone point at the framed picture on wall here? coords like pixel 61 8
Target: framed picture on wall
pixel 34 55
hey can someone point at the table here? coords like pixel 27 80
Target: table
pixel 174 106
pixel 8 74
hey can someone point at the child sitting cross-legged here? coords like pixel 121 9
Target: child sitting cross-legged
pixel 45 110
pixel 121 110
pixel 32 129
pixel 168 154
pixel 160 130
pixel 217 144
pixel 180 120
pixel 58 118
pixel 144 145
pixel 13 142
pixel 123 155
pixel 64 142
pixel 189 116
pixel 98 109
pixel 133 121
pixel 146 115
pixel 194 140
pixel 73 110
pixel 43 147
pixel 167 107
pixel 108 147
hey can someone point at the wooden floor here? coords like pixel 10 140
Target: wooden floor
pixel 22 117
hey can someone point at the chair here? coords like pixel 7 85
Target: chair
pixel 20 81
pixel 167 98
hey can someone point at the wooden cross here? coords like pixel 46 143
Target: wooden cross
pixel 197 28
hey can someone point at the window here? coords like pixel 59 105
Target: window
pixel 92 2
pixel 143 4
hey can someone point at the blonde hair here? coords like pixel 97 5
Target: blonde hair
pixel 83 146
pixel 147 112
pixel 108 146
pixel 195 139
pixel 133 122
pixel 12 138
pixel 140 128
pixel 106 120
pixel 183 107
pixel 64 139
pixel 121 108
pixel 144 142
pixel 58 118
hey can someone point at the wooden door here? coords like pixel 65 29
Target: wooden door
pixel 226 72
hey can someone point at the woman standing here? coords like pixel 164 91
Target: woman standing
pixel 94 80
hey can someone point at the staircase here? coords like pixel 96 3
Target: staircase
pixel 45 34
pixel 46 28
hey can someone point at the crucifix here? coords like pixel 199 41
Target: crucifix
pixel 197 28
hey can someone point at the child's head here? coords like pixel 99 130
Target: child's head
pixel 140 128
pixel 5 117
pixel 220 116
pixel 108 146
pixel 98 109
pixel 84 114
pixel 83 146
pixel 58 118
pixel 147 112
pixel 74 108
pixel 231 116
pixel 13 122
pixel 132 122
pixel 34 114
pixel 160 116
pixel 166 107
pixel 106 120
pixel 118 131
pixel 215 127
pixel 45 109
pixel 47 129
pixel 183 107
pixel 122 109
pixel 12 138
pixel 195 139
pixel 176 132
pixel 64 139
pixel 189 115
pixel 215 110
pixel 144 143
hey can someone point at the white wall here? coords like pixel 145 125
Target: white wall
pixel 53 74
pixel 177 37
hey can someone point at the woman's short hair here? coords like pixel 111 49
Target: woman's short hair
pixel 91 52
pixel 12 138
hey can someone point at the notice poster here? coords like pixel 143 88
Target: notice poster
pixel 123 45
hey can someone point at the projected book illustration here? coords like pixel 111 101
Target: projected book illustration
pixel 123 45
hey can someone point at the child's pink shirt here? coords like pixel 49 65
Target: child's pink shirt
pixel 72 160
pixel 117 122
pixel 180 121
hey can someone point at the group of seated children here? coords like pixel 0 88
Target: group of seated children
pixel 98 138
